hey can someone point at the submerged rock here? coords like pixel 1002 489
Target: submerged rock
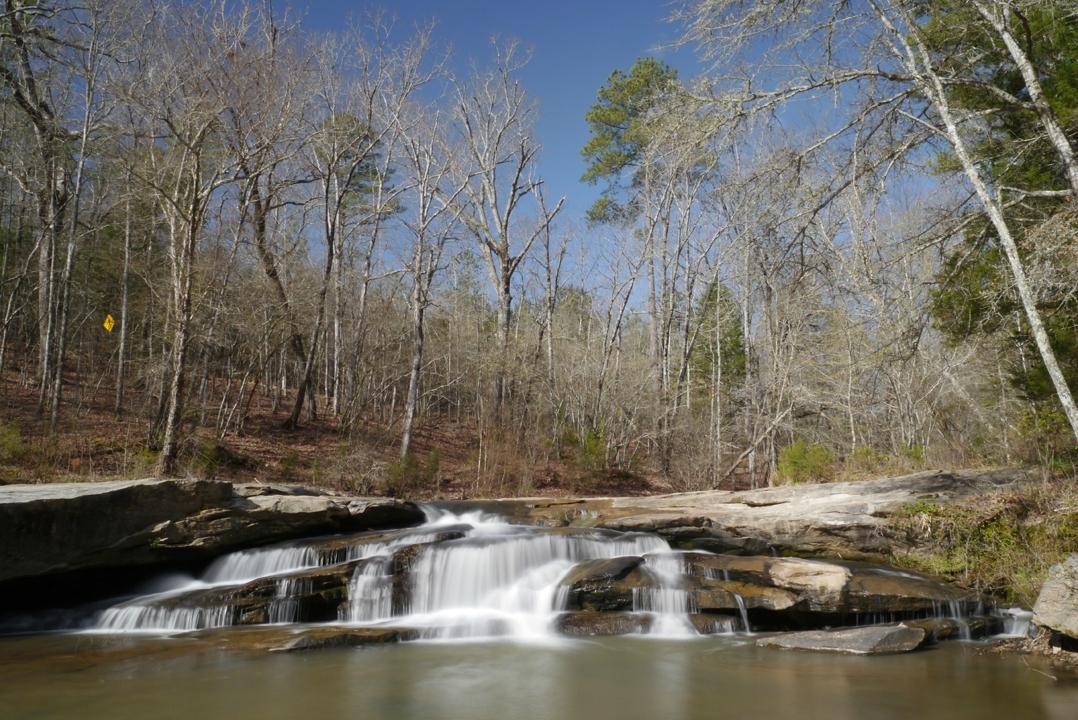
pixel 874 640
pixel 1057 605
pixel 322 638
pixel 277 638
pixel 592 624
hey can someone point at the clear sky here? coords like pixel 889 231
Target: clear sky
pixel 575 43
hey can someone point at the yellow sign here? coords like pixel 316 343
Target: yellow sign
pixel 109 323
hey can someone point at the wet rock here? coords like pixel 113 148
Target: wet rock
pixel 953 629
pixel 307 596
pixel 276 638
pixel 322 638
pixel 876 589
pixel 1057 605
pixel 714 624
pixel 874 640
pixel 605 585
pixel 780 593
pixel 832 590
pixel 592 624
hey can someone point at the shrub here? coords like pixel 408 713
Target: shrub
pixel 289 464
pixel 213 457
pixel 12 447
pixel 590 448
pixel 805 462
pixel 1002 544
pixel 408 475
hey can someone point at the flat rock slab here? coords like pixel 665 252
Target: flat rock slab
pixel 873 640
pixel 846 519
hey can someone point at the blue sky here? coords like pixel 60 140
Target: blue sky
pixel 576 44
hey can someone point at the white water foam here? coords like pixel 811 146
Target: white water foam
pixel 498 580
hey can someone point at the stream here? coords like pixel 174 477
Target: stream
pixel 483 599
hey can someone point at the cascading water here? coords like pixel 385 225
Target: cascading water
pixel 1017 622
pixel 504 579
pixel 667 600
pixel 484 577
pixel 370 592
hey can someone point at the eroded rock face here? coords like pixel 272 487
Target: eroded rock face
pixel 56 528
pixel 780 592
pixel 53 529
pixel 1057 605
pixel 875 640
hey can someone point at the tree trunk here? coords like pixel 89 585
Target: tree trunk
pixel 417 365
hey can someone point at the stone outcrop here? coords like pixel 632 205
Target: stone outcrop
pixel 875 640
pixel 51 529
pixel 847 520
pixel 1057 605
pixel 775 592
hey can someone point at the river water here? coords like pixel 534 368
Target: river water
pixel 94 677
pixel 484 599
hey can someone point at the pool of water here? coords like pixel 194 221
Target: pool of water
pixel 96 677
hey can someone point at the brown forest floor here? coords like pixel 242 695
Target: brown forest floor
pixel 92 444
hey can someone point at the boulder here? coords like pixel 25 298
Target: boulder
pixel 1057 605
pixel 873 640
pixel 48 530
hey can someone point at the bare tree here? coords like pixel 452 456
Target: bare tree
pixel 495 115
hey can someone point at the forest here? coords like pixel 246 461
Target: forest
pixel 235 246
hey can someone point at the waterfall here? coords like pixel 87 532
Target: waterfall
pixel 668 601
pixel 240 567
pixel 475 575
pixel 504 579
pixel 285 605
pixel 370 592
pixel 150 618
pixel 1017 622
